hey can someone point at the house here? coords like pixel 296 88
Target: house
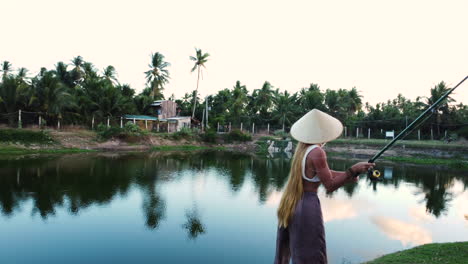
pixel 163 109
pixel 168 117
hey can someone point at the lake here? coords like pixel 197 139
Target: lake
pixel 209 207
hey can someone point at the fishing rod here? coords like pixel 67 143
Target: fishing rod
pixel 375 174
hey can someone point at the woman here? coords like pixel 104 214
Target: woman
pixel 301 235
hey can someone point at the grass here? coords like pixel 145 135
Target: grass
pixel 24 136
pixel 440 253
pixel 10 150
pixel 453 163
pixel 185 148
pixel 407 143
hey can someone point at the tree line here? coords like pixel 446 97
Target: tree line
pixel 77 91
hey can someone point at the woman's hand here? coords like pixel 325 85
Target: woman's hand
pixel 362 167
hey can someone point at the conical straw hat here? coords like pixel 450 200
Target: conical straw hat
pixel 316 127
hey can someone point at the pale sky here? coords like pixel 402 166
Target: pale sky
pixel 381 47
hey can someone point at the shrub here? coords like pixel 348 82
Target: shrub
pixel 25 136
pixel 209 136
pixel 281 133
pixel 183 133
pixel 237 135
pixel 132 128
pixel 463 132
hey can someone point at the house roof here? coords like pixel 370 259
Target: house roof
pixel 141 117
pixel 178 118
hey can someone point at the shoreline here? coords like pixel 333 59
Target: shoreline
pixel 452 154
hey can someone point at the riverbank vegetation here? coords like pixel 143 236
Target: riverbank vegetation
pixel 447 253
pixel 76 93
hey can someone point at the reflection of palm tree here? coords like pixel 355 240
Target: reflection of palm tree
pixel 154 208
pixel 194 225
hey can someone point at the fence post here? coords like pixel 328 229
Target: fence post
pixel 268 129
pixel 357 132
pixel 445 134
pixel 345 132
pixel 229 126
pixel 107 121
pixel 368 133
pixel 157 127
pixel 58 124
pixel 92 123
pixel 39 121
pixel 253 128
pixel 241 126
pixel 121 122
pixel 217 128
pixel 146 124
pixel 419 134
pixel 19 119
pixel 134 122
pixel 432 134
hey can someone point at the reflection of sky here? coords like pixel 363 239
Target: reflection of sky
pixel 406 233
pixel 385 221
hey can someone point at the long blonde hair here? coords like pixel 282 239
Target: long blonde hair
pixel 294 188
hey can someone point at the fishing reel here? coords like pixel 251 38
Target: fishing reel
pixel 374 175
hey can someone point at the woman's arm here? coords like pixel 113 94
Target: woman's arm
pixel 332 180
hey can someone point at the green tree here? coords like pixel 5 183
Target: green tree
pixel 77 73
pixel 200 59
pixel 158 75
pixel 285 109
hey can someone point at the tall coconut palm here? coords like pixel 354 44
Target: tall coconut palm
pixel 437 92
pixel 110 74
pixel 11 90
pixel 200 59
pixel 77 73
pixel 6 68
pixel 285 107
pixel 158 75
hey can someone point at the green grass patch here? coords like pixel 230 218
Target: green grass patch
pixel 423 144
pixel 453 163
pixel 185 148
pixel 443 253
pixel 23 136
pixel 10 150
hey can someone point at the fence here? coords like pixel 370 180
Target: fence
pixel 26 119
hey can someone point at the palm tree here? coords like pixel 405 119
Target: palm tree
pixel 437 92
pixel 110 74
pixel 157 75
pixel 11 90
pixel 6 68
pixel 50 95
pixel 285 107
pixel 200 59
pixel 77 73
pixel 238 102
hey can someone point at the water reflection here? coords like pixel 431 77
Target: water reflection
pixel 76 182
pixel 193 224
pixel 406 233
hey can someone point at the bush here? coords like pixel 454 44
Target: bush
pixel 130 132
pixel 183 133
pixel 209 136
pixel 281 133
pixel 463 132
pixel 25 136
pixel 237 135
